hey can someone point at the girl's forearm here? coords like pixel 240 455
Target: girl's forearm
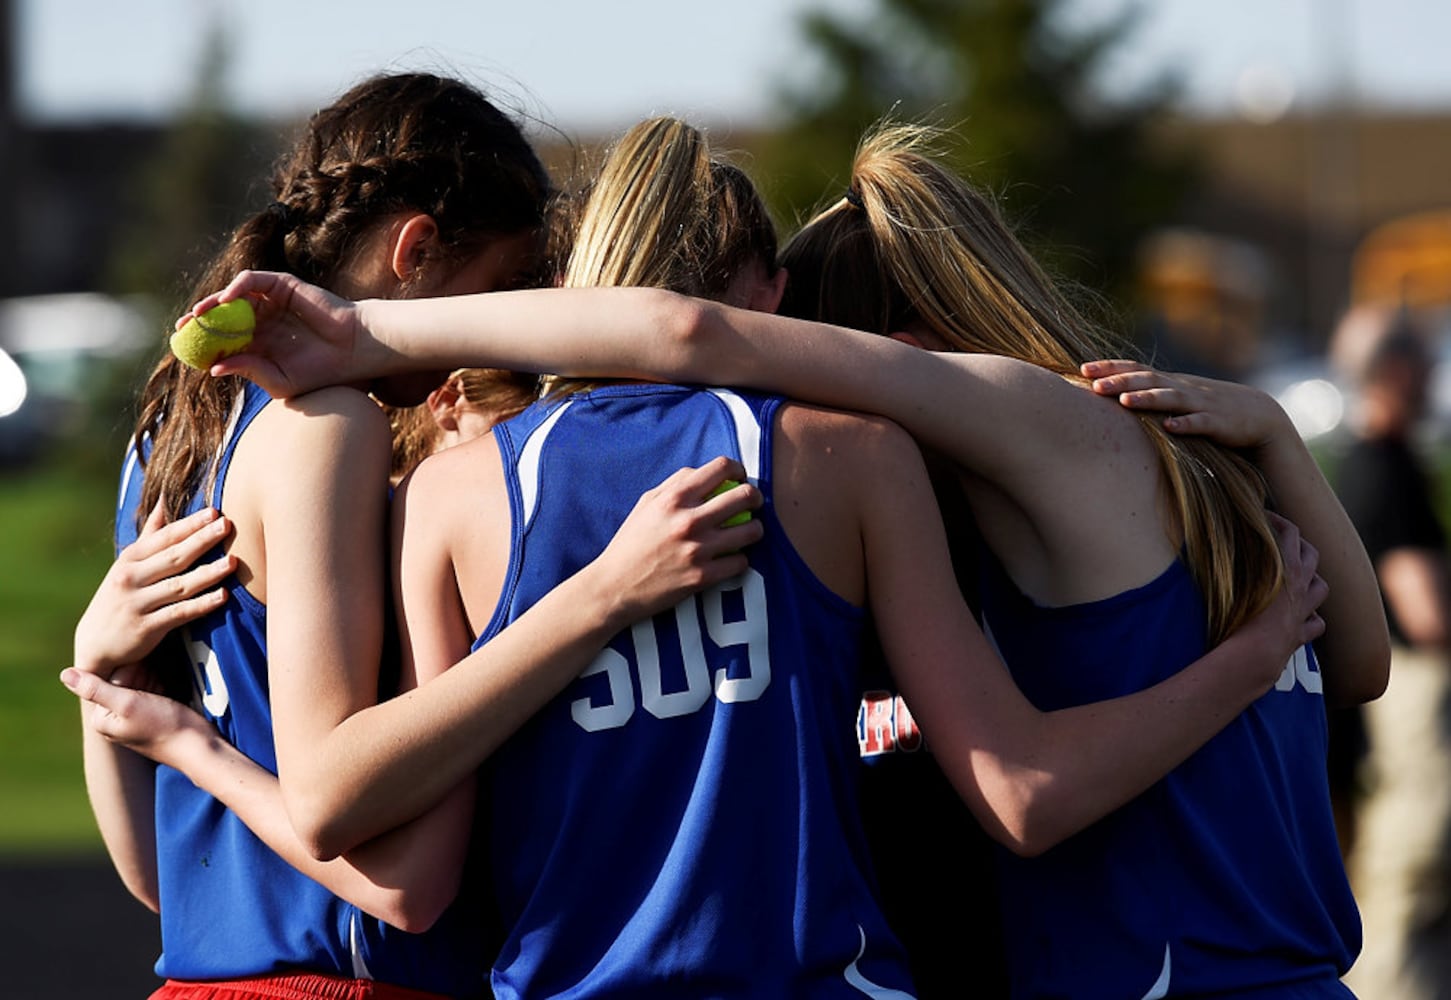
pixel 1356 650
pixel 121 786
pixel 614 332
pixel 402 883
pixel 403 755
pixel 1092 759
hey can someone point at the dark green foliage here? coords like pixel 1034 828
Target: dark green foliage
pixel 201 182
pixel 1074 173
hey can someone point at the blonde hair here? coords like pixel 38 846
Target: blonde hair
pixel 912 242
pixel 495 392
pixel 664 212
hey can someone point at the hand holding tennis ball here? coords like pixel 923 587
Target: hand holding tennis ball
pixel 217 333
pixel 724 486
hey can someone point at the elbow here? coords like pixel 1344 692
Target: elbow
pixel 144 890
pixel 415 908
pixel 1380 676
pixel 1026 814
pixel 683 327
pixel 322 837
pixel 1359 676
pixel 320 827
pixel 1028 835
pixel 415 911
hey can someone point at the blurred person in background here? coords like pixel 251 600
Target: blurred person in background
pixel 1400 864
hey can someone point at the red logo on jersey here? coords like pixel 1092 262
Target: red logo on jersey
pixel 884 724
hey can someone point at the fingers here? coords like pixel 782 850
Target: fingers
pixel 183 540
pixel 696 488
pixel 161 576
pixel 1109 366
pixel 254 368
pixel 183 610
pixel 88 687
pixel 259 286
pixel 156 519
pixel 696 484
pixel 138 677
pixel 1145 382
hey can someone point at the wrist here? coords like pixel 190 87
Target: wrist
pixel 1261 647
pixel 600 600
pixel 374 357
pixel 186 747
pixel 1280 437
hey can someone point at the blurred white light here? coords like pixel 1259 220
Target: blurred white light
pixel 1263 92
pixel 12 385
pixel 1315 406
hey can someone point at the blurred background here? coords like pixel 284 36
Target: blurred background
pixel 1230 178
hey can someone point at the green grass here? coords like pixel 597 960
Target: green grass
pixel 54 547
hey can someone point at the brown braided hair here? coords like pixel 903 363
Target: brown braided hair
pixel 393 143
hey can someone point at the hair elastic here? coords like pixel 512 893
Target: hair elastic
pixel 279 211
pixel 854 198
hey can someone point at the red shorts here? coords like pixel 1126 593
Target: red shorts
pixel 293 986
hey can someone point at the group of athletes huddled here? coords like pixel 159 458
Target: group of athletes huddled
pixel 551 718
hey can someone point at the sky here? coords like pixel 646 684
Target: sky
pixel 598 64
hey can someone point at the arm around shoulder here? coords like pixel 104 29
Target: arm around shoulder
pixel 1032 778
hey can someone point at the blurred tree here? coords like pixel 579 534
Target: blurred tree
pixel 198 185
pixel 1076 173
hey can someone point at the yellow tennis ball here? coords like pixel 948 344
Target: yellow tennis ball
pixel 217 333
pixel 734 519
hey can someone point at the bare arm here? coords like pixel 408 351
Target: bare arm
pixel 1034 778
pixel 1356 652
pixel 148 590
pixel 366 768
pixel 323 530
pixel 382 877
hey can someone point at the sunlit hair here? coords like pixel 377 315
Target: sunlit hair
pixel 912 243
pixel 494 392
pixel 392 144
pixel 664 212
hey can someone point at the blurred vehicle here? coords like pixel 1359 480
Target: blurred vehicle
pixel 54 349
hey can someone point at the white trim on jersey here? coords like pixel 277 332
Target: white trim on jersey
pixel 133 461
pixel 238 405
pixel 748 432
pixel 856 980
pixel 360 967
pixel 1160 989
pixel 528 463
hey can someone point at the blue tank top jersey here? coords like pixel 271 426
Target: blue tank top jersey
pixel 230 906
pixel 682 820
pixel 1225 876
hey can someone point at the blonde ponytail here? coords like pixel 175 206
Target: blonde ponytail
pixel 914 243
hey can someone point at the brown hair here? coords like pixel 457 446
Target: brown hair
pixel 912 243
pixel 499 393
pixel 394 143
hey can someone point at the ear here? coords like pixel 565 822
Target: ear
pixel 766 297
pixel 411 243
pixel 908 338
pixel 443 405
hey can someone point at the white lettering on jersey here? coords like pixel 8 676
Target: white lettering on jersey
pixel 750 631
pixel 692 652
pixel 1300 670
pixel 615 712
pixel 207 673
